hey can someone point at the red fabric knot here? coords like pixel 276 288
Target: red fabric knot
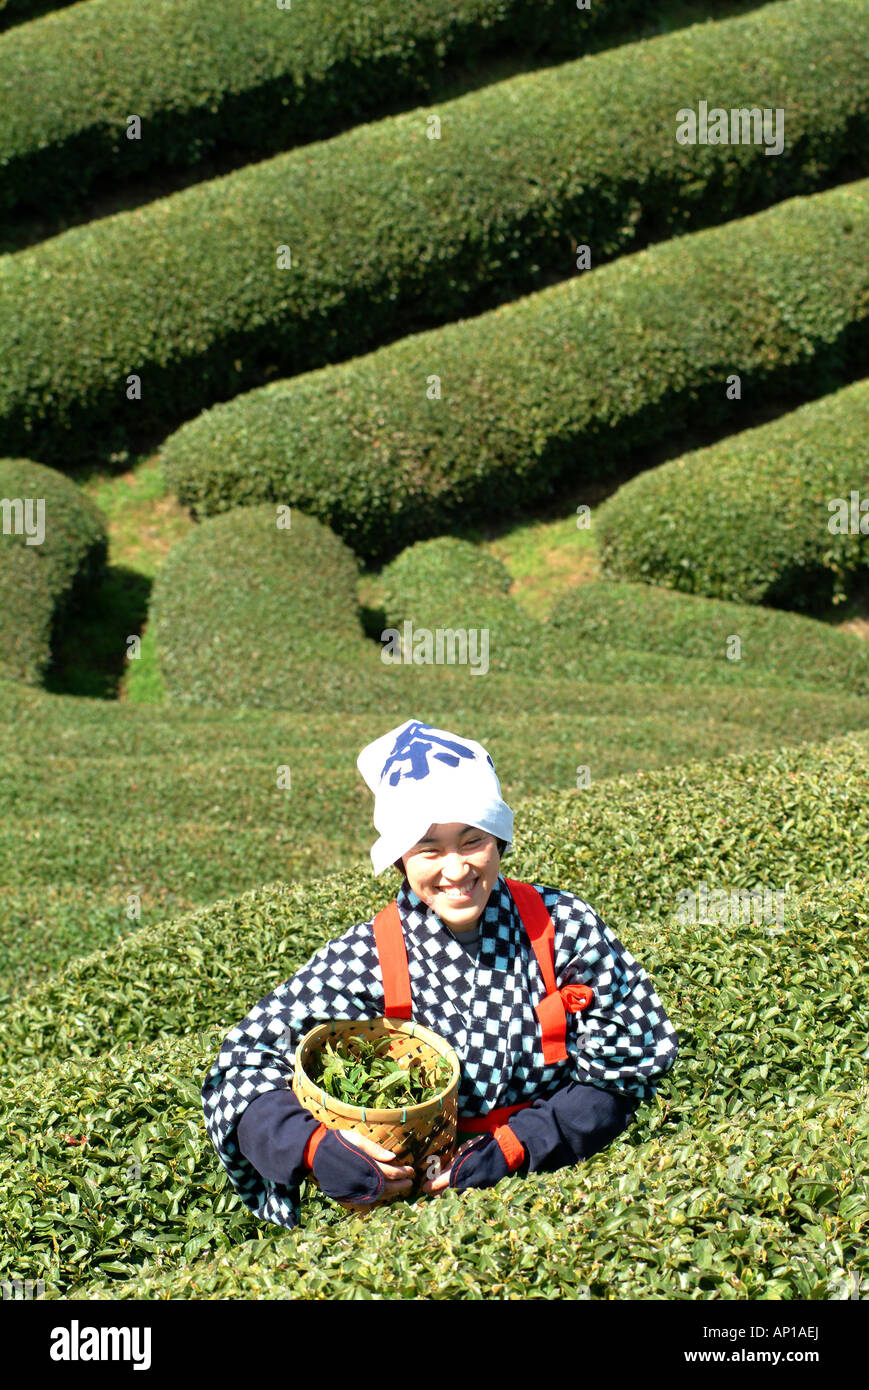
pixel 576 997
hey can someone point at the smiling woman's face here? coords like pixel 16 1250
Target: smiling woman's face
pixel 453 869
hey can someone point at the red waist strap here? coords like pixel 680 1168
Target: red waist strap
pixel 487 1124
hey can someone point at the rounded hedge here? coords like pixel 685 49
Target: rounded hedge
pixel 772 646
pixel 26 612
pixel 557 386
pixel 439 573
pixel 452 586
pixel 204 75
pixel 748 519
pixel 247 610
pixel 40 583
pixel 447 583
pixel 315 255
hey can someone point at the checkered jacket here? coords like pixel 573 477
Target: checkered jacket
pixel 484 1008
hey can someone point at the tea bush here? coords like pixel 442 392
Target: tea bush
pixel 432 576
pixel 618 631
pixel 767 1205
pixel 748 518
pixel 449 583
pixel 743 1178
pixel 688 630
pixel 549 388
pixel 197 327
pixel 26 612
pixel 247 612
pixel 208 74
pixel 39 583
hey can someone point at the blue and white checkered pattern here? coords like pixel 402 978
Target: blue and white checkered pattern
pixel 485 1008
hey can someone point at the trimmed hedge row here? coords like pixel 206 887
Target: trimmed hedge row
pixel 39 583
pixel 108 1173
pixel 782 819
pixel 258 607
pixel 451 584
pixel 206 74
pixel 769 1205
pixel 432 576
pixel 618 631
pixel 210 310
pixel 748 518
pixel 76 538
pixel 774 646
pixel 559 385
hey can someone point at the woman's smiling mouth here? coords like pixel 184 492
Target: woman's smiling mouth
pixel 458 893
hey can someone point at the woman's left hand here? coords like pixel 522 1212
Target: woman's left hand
pixel 477 1163
pixel 442 1179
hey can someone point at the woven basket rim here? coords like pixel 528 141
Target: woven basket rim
pixel 365 1113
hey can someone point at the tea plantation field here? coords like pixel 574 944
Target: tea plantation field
pixel 393 321
pixel 757 1145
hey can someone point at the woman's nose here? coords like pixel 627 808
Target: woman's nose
pixel 454 866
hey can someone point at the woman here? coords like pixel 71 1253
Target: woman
pixel 558 1030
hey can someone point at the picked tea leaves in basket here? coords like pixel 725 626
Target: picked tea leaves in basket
pixel 362 1071
pixel 396 1082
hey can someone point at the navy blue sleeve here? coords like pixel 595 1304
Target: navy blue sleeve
pixel 574 1123
pixel 557 1132
pixel 570 1125
pixel 273 1134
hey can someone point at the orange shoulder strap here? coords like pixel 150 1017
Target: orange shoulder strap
pixel 539 926
pixel 389 939
pixel 552 1009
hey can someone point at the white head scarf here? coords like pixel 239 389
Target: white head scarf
pixel 422 776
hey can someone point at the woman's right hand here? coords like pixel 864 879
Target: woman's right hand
pixel 357 1173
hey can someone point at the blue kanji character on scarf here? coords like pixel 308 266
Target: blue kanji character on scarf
pixel 410 745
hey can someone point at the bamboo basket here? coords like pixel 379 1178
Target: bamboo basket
pixel 414 1132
